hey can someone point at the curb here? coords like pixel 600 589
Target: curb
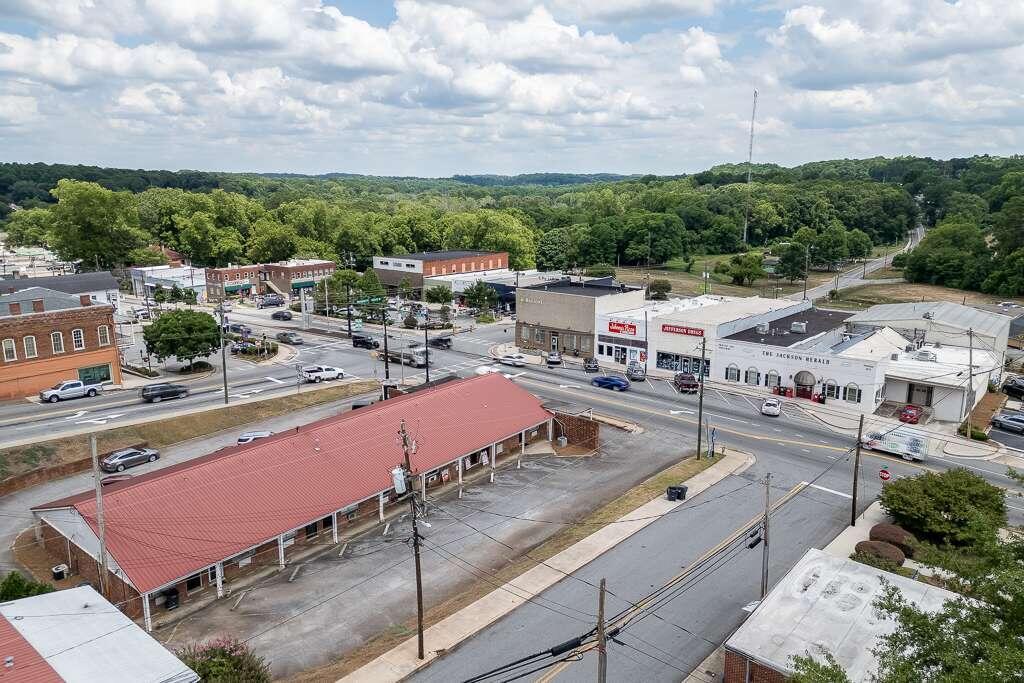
pixel 446 635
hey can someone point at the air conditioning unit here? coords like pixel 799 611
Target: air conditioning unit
pixel 762 328
pixel 894 356
pixel 926 355
pixel 800 327
pixel 928 315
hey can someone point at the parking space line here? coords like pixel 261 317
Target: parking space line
pixel 832 491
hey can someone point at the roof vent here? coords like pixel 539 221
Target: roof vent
pixel 762 328
pixel 894 356
pixel 926 355
pixel 908 348
pixel 927 315
pixel 800 327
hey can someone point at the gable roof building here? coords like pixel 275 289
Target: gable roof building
pixel 939 321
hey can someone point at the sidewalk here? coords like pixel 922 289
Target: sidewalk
pixel 450 632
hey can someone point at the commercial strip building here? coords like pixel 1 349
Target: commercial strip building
pixel 76 636
pixel 823 603
pixel 101 286
pixel 147 279
pixel 283 277
pixel 48 336
pixel 503 281
pixel 562 315
pixel 196 526
pixel 393 270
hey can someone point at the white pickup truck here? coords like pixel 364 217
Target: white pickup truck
pixel 319 373
pixel 71 388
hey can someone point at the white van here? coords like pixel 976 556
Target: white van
pixel 906 442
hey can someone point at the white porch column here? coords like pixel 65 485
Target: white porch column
pixel 145 612
pixel 423 487
pixel 460 478
pixel 522 449
pixel 334 526
pixel 551 433
pixel 380 506
pixel 220 579
pixel 280 551
pixel 493 456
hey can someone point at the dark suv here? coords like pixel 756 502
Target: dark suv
pixel 154 393
pixel 1014 388
pixel 362 341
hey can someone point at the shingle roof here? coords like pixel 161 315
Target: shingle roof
pixel 82 283
pixel 178 520
pixel 942 312
pixel 52 301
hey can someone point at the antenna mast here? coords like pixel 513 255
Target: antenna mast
pixel 750 160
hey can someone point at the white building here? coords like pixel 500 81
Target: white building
pixel 146 279
pixel 667 335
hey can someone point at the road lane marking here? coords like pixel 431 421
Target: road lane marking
pixel 77 415
pixel 100 420
pixel 275 380
pixel 828 490
pixel 676 412
pixel 726 417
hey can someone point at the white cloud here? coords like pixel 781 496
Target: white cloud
pixel 16 110
pixel 154 98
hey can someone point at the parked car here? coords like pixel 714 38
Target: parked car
pixel 118 461
pixel 590 365
pixel 289 338
pixel 554 358
pixel 72 388
pixel 281 315
pixel 154 393
pixel 1011 422
pixel 686 383
pixel 364 341
pixel 440 342
pixel 243 347
pixel 517 360
pixel 1014 387
pixel 911 414
pixel 140 314
pixel 771 407
pixel 249 437
pixel 319 373
pixel 636 372
pixel 613 382
pixel 238 328
pixel 270 300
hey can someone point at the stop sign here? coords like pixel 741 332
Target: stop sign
pixel 884 474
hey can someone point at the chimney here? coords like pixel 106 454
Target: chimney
pixel 85 299
pixel 37 305
pixel 15 308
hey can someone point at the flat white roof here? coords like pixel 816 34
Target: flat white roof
pixel 86 639
pixel 826 602
pixel 303 262
pixel 948 369
pixel 877 345
pixel 710 309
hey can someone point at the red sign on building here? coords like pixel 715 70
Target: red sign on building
pixel 621 328
pixel 683 329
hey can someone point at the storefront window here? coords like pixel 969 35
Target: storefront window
pixel 600 349
pixel 851 393
pixel 525 334
pixel 752 377
pixel 95 374
pixel 831 389
pixel 732 373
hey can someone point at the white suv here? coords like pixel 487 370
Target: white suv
pixel 319 373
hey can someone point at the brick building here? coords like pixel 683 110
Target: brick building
pixel 48 336
pixel 196 526
pixel 255 279
pixel 238 280
pixel 392 270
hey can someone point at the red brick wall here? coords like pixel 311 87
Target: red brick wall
pixel 736 671
pixel 86 318
pixel 580 431
pixel 473 263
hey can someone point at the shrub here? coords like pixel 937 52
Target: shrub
pixel 976 434
pixel 876 562
pixel 899 260
pixel 600 270
pixel 955 507
pixel 16 586
pixel 881 550
pixel 485 318
pixel 894 535
pixel 196 367
pixel 225 660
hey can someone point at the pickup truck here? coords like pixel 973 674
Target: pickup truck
pixel 71 388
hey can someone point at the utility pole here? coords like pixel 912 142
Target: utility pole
pixel 764 551
pixel 99 515
pixel 327 303
pixel 970 379
pixel 750 164
pixel 408 447
pixel 700 395
pixel 348 307
pixel 807 267
pixel 856 472
pixel 223 351
pixel 426 350
pixel 602 641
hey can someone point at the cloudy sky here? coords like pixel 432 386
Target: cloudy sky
pixel 436 87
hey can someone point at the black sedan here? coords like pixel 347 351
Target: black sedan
pixel 120 460
pixel 612 382
pixel 281 315
pixel 1014 388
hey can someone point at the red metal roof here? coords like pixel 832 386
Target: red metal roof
pixel 27 665
pixel 176 521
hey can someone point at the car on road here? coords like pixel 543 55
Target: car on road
pixel 911 414
pixel 906 442
pixel 444 342
pixel 590 365
pixel 613 382
pixel 140 314
pixel 1010 422
pixel 1008 304
pixel 685 383
pixel 771 407
pixel 72 388
pixel 554 358
pixel 120 460
pixel 289 338
pixel 516 360
pixel 1014 387
pixel 364 341
pixel 154 393
pixel 239 328
pixel 270 300
pixel 281 315
pixel 249 437
pixel 319 373
pixel 636 372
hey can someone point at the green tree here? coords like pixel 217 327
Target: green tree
pixel 206 243
pixel 481 295
pixel 1008 225
pixel 15 586
pixel 29 228
pixel 1007 275
pixel 659 289
pixel 225 660
pixel 955 507
pixel 438 294
pixel 176 295
pixel 94 224
pixel 858 244
pixel 144 256
pixel 270 241
pixel 600 270
pixel 805 236
pixel 554 250
pixel 185 335
pixel 830 246
pixel 953 254
pixel 369 284
pixel 807 669
pixel 161 295
pixel 743 269
pixel 405 288
pixel 792 263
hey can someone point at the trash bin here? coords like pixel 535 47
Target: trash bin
pixel 171 598
pixel 562 442
pixel 682 492
pixel 676 492
pixel 60 572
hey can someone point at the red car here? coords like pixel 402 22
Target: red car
pixel 911 414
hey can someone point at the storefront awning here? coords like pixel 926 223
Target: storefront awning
pixel 302 284
pixel 236 288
